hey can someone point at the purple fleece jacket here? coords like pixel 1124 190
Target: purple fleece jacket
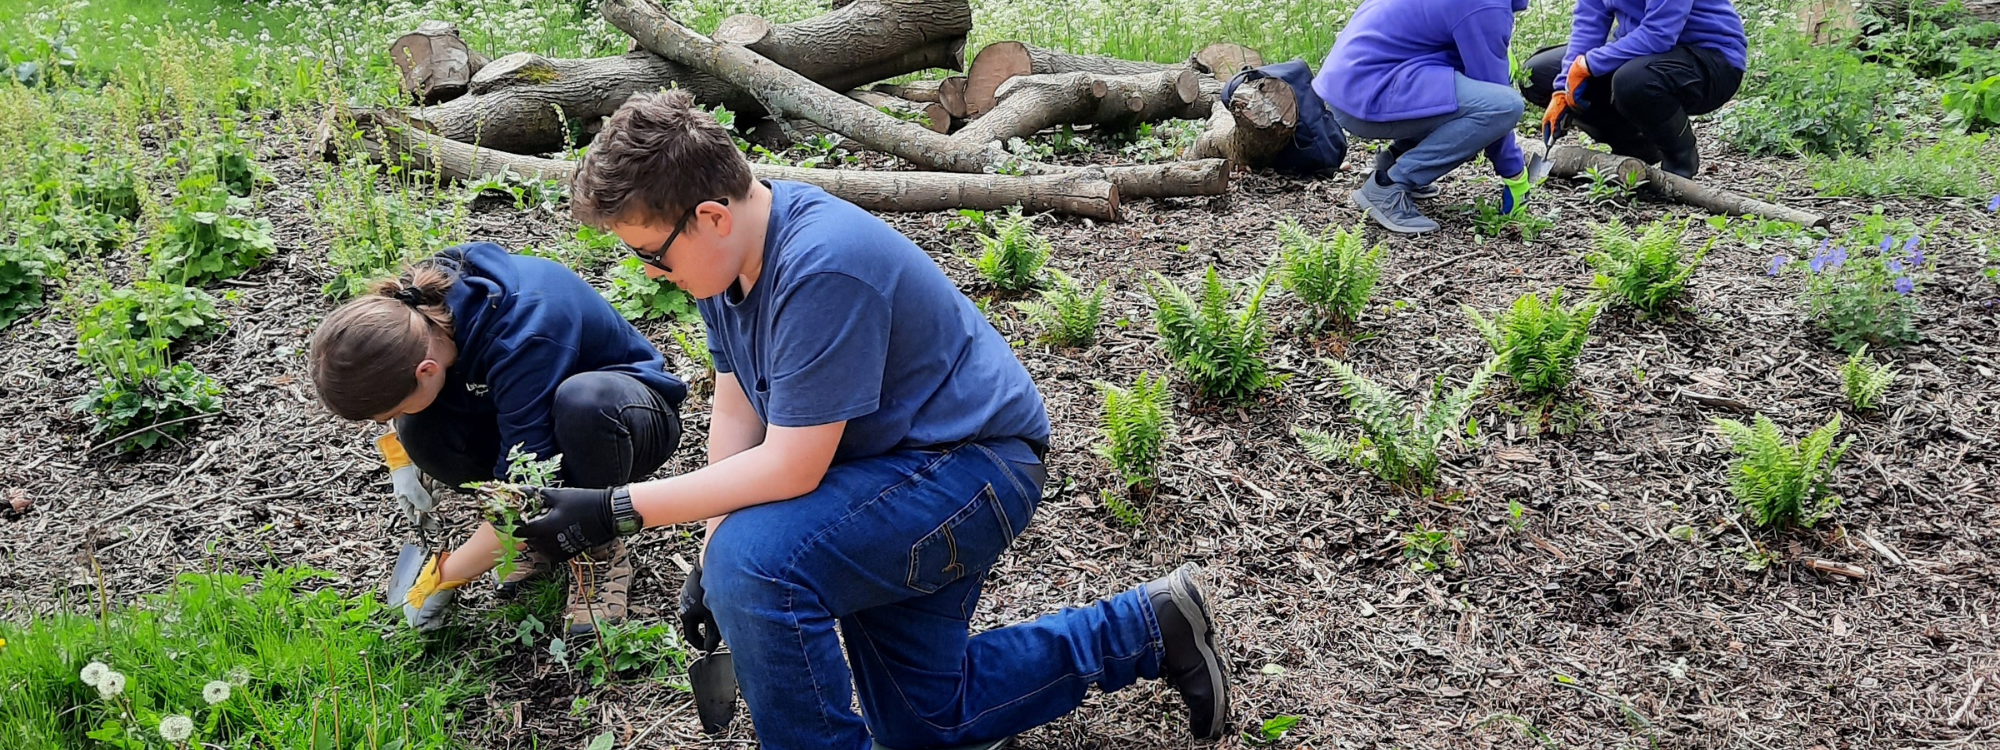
pixel 1397 60
pixel 1650 27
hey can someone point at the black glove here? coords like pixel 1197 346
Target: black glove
pixel 572 520
pixel 697 622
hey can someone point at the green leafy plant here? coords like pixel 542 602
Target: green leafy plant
pixel 641 297
pixel 1646 271
pixel 152 314
pixel 1489 221
pixel 1956 165
pixel 1603 188
pixel 1865 298
pixel 526 193
pixel 1122 510
pixel 1539 341
pixel 1780 481
pixel 1013 254
pixel 1975 105
pixel 1863 381
pixel 1269 731
pixel 23 268
pixel 503 503
pixel 1136 422
pixel 1923 38
pixel 142 407
pixel 1067 316
pixel 1334 272
pixel 627 647
pixel 693 341
pixel 371 232
pixel 1816 99
pixel 210 235
pixel 1431 550
pixel 1399 440
pixel 226 157
pixel 972 220
pixel 1219 351
pixel 589 249
pixel 1152 142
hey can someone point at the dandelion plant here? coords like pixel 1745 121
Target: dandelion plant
pixel 1136 422
pixel 1648 270
pixel 1863 381
pixel 1334 272
pixel 1399 439
pixel 1541 341
pixel 1220 351
pixel 1778 481
pixel 1067 316
pixel 1013 254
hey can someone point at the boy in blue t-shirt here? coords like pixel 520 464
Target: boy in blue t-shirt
pixel 875 447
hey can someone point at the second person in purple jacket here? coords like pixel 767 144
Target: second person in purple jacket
pixel 1633 87
pixel 1431 77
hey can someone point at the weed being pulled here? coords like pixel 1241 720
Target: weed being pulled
pixel 504 503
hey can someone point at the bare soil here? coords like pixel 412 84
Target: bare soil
pixel 1620 613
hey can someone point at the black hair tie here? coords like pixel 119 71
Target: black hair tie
pixel 410 295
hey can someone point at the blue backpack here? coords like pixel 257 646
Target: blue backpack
pixel 1318 145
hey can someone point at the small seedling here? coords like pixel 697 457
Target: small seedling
pixel 1646 271
pixel 1334 272
pixel 1270 730
pixel 693 341
pixel 1488 221
pixel 1067 316
pixel 1431 550
pixel 1540 341
pixel 1781 482
pixel 1136 422
pixel 1863 381
pixel 1399 440
pixel 1603 188
pixel 1219 351
pixel 1013 254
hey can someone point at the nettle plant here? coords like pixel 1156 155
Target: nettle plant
pixel 641 297
pixel 1863 298
pixel 1863 382
pixel 1334 272
pixel 209 236
pixel 1400 439
pixel 1067 314
pixel 1539 341
pixel 1221 352
pixel 1781 482
pixel 504 503
pixel 1648 271
pixel 1012 256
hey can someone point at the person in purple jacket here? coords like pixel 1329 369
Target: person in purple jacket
pixel 1633 87
pixel 1431 77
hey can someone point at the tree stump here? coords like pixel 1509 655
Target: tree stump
pixel 1225 59
pixel 435 64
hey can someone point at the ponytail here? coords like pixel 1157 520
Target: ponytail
pixel 365 355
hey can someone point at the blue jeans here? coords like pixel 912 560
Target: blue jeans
pixel 894 549
pixel 1428 148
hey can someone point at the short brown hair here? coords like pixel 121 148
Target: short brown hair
pixel 364 357
pixel 657 157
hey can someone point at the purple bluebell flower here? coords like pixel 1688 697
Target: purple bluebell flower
pixel 1895 265
pixel 1837 258
pixel 1916 257
pixel 1888 241
pixel 1911 246
pixel 1778 263
pixel 1994 206
pixel 1818 262
pixel 1904 285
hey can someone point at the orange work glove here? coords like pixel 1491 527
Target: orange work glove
pixel 1578 73
pixel 1553 118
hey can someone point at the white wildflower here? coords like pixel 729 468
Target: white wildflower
pixel 111 685
pixel 94 673
pixel 239 676
pixel 176 728
pixel 215 692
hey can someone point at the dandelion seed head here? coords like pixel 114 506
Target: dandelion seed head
pixel 215 692
pixel 239 676
pixel 94 673
pixel 176 728
pixel 111 686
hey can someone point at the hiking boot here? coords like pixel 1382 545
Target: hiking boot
pixel 1189 659
pixel 599 581
pixel 1391 206
pixel 1385 158
pixel 528 566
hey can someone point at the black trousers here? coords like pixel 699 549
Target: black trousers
pixel 1628 108
pixel 611 429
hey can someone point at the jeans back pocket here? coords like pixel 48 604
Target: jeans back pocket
pixel 966 543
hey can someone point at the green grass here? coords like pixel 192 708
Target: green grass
pixel 1960 166
pixel 308 667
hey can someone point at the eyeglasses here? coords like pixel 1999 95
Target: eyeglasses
pixel 657 258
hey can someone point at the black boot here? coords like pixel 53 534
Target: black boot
pixel 1675 138
pixel 1189 659
pixel 1625 143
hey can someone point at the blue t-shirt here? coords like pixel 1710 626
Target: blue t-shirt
pixel 850 320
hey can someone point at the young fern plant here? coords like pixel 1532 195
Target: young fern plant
pixel 1220 351
pixel 1013 255
pixel 1863 381
pixel 1646 271
pixel 1334 272
pixel 1136 422
pixel 1778 481
pixel 1541 340
pixel 1399 439
pixel 1067 316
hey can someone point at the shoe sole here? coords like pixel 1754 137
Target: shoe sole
pixel 1183 588
pixel 1354 197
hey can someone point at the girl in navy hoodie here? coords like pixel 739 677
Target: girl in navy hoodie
pixel 1633 87
pixel 477 351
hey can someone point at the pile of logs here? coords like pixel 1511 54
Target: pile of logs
pixel 475 116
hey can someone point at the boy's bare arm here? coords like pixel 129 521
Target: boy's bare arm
pixel 733 428
pixel 477 555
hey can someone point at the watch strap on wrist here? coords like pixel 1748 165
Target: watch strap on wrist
pixel 624 520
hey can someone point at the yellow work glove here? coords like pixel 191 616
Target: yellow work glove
pixel 431 595
pixel 416 502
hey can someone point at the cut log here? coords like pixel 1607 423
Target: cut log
pixel 1899 10
pixel 836 48
pixel 1174 179
pixel 1027 104
pixel 1575 162
pixel 1254 126
pixel 435 64
pixel 388 138
pixel 948 92
pixel 1225 59
pixel 931 115
pixel 1000 61
pixel 1828 20
pixel 516 108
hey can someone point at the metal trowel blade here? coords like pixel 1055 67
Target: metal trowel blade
pixel 713 678
pixel 409 565
pixel 1538 168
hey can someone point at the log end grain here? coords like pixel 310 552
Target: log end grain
pixel 1225 59
pixel 742 29
pixel 994 64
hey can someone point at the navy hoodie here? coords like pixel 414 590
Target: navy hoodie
pixel 523 325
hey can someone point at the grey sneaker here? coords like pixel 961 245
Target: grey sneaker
pixel 1190 659
pixel 1391 207
pixel 1384 160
